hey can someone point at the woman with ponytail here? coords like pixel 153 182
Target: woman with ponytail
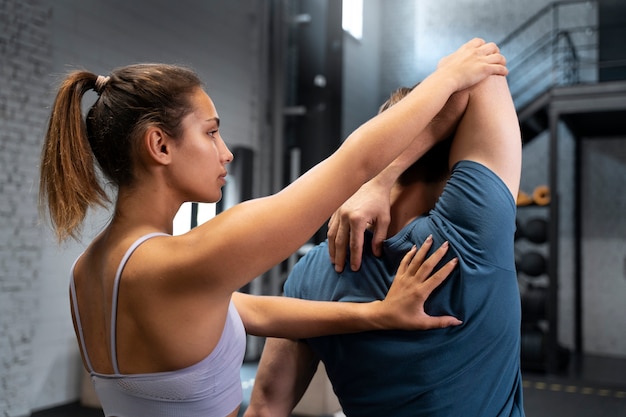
pixel 158 318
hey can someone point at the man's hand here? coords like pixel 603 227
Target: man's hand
pixel 368 208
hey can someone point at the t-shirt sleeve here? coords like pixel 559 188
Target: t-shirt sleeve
pixel 292 284
pixel 477 210
pixel 302 282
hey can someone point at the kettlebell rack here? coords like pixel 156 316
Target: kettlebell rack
pixel 539 350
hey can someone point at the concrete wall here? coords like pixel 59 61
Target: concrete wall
pixel 604 245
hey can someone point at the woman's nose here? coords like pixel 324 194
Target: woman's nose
pixel 227 155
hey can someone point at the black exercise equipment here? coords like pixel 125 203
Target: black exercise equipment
pixel 535 230
pixel 534 304
pixel 533 347
pixel 531 263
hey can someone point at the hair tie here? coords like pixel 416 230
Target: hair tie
pixel 101 81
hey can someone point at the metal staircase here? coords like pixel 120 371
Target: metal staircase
pixel 554 65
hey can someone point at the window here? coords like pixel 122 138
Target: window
pixel 352 17
pixel 191 215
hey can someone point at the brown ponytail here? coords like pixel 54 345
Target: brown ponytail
pixel 130 99
pixel 69 183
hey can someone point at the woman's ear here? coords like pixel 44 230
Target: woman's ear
pixel 158 145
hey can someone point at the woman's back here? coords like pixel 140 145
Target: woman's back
pixel 209 386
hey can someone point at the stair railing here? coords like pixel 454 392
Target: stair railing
pixel 556 46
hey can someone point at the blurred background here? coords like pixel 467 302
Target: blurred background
pixel 291 79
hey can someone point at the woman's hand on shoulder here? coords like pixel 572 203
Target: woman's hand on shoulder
pixel 413 284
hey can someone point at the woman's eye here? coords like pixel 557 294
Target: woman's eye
pixel 212 133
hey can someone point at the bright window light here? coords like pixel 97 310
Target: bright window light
pixel 182 220
pixel 352 17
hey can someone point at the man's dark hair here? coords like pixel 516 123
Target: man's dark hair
pixel 433 166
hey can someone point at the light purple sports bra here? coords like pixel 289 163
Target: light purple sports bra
pixel 209 388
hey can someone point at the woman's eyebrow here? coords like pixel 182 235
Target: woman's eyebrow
pixel 214 119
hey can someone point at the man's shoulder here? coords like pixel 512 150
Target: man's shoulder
pixel 314 257
pixel 473 183
pixel 309 271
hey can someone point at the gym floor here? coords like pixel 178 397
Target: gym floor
pixel 590 387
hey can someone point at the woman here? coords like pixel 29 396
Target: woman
pixel 157 316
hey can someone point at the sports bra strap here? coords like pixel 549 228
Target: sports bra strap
pixel 79 326
pixel 118 275
pixel 116 285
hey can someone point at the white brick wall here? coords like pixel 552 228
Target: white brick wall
pixel 25 50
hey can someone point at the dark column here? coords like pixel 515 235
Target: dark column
pixel 316 65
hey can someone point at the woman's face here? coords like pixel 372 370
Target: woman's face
pixel 202 155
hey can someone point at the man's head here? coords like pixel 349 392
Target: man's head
pixel 433 166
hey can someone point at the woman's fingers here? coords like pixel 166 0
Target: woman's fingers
pixel 489 48
pixel 421 267
pixel 414 283
pixel 432 282
pixel 414 258
pixel 438 322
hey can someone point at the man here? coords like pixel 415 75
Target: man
pixel 468 370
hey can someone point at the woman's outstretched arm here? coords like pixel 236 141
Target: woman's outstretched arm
pixel 265 231
pixel 403 308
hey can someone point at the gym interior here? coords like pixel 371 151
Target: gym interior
pixel 291 79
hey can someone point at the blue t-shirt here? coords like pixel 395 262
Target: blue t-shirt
pixel 470 370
